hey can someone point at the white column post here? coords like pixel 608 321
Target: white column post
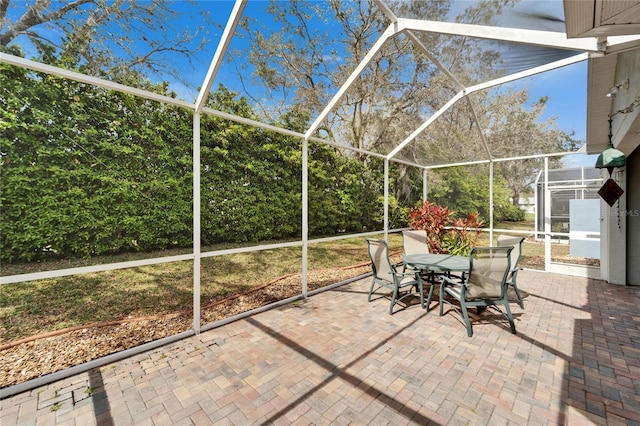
pixel 424 185
pixel 386 199
pixel 196 222
pixel 547 217
pixel 305 214
pixel 491 202
pixel 616 234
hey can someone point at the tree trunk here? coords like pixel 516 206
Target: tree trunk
pixel 515 196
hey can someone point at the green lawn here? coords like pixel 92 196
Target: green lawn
pixel 40 306
pixel 45 305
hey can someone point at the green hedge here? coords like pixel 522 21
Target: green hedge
pixel 87 171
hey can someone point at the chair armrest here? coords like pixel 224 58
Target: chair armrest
pixel 406 274
pixel 448 281
pixel 514 272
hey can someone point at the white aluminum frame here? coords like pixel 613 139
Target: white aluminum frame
pixel 591 46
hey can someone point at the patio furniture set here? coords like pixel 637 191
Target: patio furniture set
pixel 480 281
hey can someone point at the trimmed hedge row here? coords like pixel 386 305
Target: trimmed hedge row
pixel 87 171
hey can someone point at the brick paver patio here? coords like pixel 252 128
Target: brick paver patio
pixel 336 359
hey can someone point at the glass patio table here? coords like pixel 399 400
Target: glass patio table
pixel 436 264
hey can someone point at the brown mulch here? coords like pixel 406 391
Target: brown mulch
pixel 36 356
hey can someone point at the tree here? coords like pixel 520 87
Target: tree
pixel 94 30
pixel 252 181
pixel 306 63
pixel 318 46
pixel 515 131
pixel 465 190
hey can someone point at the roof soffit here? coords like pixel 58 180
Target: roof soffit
pixel 602 18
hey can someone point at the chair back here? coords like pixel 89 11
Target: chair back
pixel 380 263
pixel 516 242
pixel 415 242
pixel 487 278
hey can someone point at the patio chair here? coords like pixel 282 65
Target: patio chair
pixel 484 286
pixel 516 242
pixel 415 241
pixel 386 276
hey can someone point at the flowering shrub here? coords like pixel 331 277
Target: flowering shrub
pixel 460 239
pixel 446 234
pixel 433 219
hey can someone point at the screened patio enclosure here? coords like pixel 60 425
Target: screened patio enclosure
pixel 451 118
pixel 566 185
pixel 573 217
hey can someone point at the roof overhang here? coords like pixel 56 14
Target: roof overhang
pixel 601 18
pixel 600 77
pixel 609 20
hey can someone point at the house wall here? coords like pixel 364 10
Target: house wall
pixel 613 233
pixel 633 218
pixel 620 231
pixel 626 125
pixel 527 204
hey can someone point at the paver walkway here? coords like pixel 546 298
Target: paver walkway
pixel 336 359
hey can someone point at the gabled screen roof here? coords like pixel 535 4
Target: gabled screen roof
pixel 416 77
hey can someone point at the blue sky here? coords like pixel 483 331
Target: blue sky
pixel 567 91
pixel 564 87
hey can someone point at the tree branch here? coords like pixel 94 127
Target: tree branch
pixel 35 15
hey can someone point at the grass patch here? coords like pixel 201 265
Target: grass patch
pixel 37 307
pixel 41 306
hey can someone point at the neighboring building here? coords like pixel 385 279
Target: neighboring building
pixel 527 204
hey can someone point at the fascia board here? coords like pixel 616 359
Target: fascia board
pixel 611 30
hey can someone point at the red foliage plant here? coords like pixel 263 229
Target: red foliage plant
pixel 433 219
pixel 460 236
pixel 464 234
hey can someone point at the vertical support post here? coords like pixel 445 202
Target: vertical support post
pixel 386 199
pixel 196 222
pixel 616 234
pixel 536 209
pixel 424 185
pixel 547 217
pixel 229 30
pixel 305 214
pixel 491 202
